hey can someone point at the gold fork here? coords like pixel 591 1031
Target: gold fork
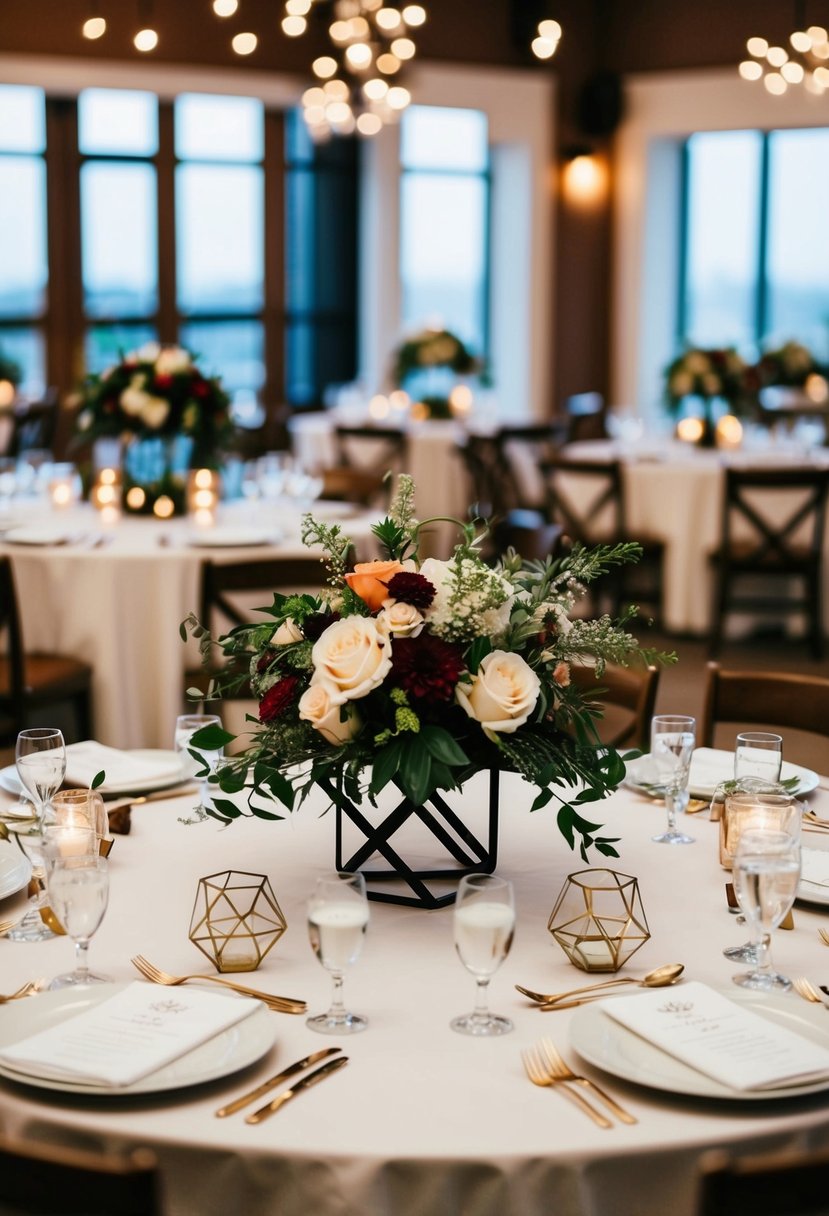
pixel 29 989
pixel 807 990
pixel 562 1070
pixel 540 1073
pixel 824 936
pixel 282 1004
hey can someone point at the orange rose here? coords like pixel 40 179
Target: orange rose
pixel 368 580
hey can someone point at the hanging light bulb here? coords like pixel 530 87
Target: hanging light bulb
pixel 95 25
pixel 146 39
pixel 548 36
pixel 778 68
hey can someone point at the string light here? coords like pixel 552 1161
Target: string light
pixel 545 43
pixel 802 62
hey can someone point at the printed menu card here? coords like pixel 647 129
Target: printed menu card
pixel 716 1036
pixel 126 1036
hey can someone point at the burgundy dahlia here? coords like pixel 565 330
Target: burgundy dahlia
pixel 278 698
pixel 314 626
pixel 412 589
pixel 265 659
pixel 427 668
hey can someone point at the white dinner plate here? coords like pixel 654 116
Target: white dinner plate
pixel 601 1040
pixel 37 536
pixel 230 538
pixel 227 1052
pixel 332 508
pixel 812 892
pixel 709 767
pixel 10 781
pixel 15 870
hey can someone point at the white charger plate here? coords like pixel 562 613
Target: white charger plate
pixel 710 766
pixel 36 536
pixel 10 781
pixel 230 538
pixel 227 1052
pixel 601 1040
pixel 15 871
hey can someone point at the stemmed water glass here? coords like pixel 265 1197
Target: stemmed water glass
pixel 766 877
pixel 186 726
pixel 757 810
pixel 40 757
pixel 78 885
pixel 484 924
pixel 337 922
pixel 672 744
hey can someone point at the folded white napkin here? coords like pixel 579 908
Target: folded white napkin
pixel 127 1036
pixel 716 1036
pixel 85 760
pixel 814 867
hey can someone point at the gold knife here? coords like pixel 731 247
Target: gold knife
pixel 271 1108
pixel 262 1089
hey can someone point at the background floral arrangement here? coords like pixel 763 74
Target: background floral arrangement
pixel 423 673
pixel 789 365
pixel 9 369
pixel 156 391
pixel 433 348
pixel 709 374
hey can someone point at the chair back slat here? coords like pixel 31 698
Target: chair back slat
pixel 630 690
pixel 38 1179
pixel 587 497
pixel 770 698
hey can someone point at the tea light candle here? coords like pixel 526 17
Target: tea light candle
pixel 73 841
pixel 203 490
pixel 689 430
pixel 729 432
pixel 106 491
pixel 460 400
pixel 64 486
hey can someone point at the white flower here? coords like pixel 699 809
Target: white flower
pixel 287 633
pixel 133 398
pixel 154 412
pixel 85 420
pixel 353 656
pixel 322 705
pixel 171 360
pixel 148 353
pixel 471 600
pixel 399 619
pixel 502 694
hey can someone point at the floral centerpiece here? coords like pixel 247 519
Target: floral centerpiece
pixel 157 394
pixel 709 374
pixel 425 363
pixel 422 673
pixel 788 366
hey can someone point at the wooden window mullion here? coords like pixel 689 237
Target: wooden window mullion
pixel 168 317
pixel 274 305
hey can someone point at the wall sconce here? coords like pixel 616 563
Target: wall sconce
pixel 584 176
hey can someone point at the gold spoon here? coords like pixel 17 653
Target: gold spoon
pixel 660 977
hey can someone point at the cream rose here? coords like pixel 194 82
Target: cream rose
pixel 323 706
pixel 133 399
pixel 287 633
pixel 353 656
pixel 155 412
pixel 171 360
pixel 503 693
pixel 399 619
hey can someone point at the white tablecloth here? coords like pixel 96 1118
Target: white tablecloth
pixel 119 605
pixel 422 1120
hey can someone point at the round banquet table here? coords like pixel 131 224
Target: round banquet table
pixel 422 1119
pixel 116 595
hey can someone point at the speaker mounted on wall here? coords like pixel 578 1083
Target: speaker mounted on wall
pixel 600 106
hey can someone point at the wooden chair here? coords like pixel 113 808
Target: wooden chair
pixel 529 533
pixel 585 414
pixel 779 1184
pixel 37 1179
pixel 767 698
pixel 773 524
pixel 587 498
pixel 376 448
pixel 30 682
pixel 35 425
pixel 226 586
pixel 360 486
pixel 627 697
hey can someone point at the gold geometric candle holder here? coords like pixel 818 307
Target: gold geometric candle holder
pixel 598 919
pixel 236 919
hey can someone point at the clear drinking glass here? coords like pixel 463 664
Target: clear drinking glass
pixel 765 810
pixel 758 754
pixel 484 925
pixel 766 876
pixel 337 922
pixel 672 744
pixel 78 886
pixel 40 757
pixel 186 727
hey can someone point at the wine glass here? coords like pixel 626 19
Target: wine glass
pixel 78 886
pixel 756 810
pixel 337 921
pixel 758 754
pixel 40 757
pixel 766 877
pixel 484 924
pixel 186 726
pixel 672 745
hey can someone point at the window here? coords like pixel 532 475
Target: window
pixel 168 222
pixel 24 300
pixel 755 255
pixel 444 221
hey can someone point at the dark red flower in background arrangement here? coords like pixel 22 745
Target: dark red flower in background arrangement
pixel 163 381
pixel 427 668
pixel 412 589
pixel 314 626
pixel 265 660
pixel 279 698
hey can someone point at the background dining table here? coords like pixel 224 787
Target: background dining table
pixel 115 595
pixel 423 1119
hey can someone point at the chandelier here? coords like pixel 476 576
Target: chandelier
pixel 805 61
